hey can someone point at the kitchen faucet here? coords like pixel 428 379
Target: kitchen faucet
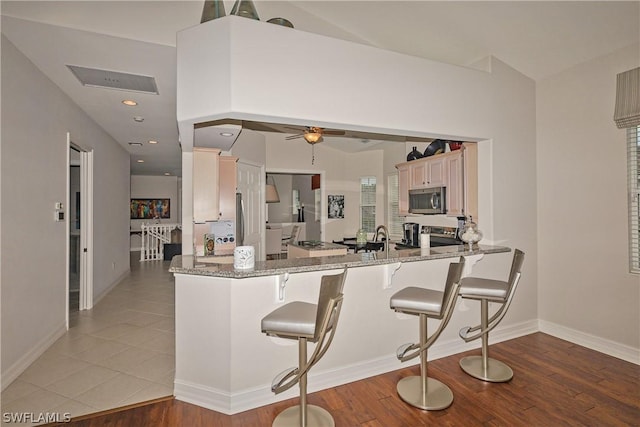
pixel 385 231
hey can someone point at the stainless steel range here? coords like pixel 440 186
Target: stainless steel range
pixel 440 236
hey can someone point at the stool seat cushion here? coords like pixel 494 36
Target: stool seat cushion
pixel 418 300
pixel 295 319
pixel 475 287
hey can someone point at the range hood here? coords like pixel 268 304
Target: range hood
pixel 217 134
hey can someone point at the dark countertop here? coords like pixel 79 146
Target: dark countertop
pixel 317 245
pixel 187 264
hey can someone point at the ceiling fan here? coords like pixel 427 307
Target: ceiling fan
pixel 313 134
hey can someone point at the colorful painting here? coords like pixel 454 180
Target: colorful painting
pixel 150 208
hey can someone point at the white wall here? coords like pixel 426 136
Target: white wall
pixel 375 90
pixel 155 187
pixel 586 290
pixel 507 186
pixel 36 117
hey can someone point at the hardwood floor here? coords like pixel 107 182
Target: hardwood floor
pixel 556 383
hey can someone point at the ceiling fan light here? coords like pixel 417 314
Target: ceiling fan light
pixel 312 137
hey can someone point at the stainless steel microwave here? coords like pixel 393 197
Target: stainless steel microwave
pixel 428 201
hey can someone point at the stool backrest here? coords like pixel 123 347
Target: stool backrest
pixel 452 285
pixel 516 268
pixel 330 294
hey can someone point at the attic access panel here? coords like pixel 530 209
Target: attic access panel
pixel 94 77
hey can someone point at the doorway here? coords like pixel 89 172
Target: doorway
pixel 79 225
pixel 74 214
pixel 300 201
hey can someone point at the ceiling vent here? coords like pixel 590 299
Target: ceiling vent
pixel 114 80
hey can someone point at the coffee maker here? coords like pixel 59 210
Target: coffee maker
pixel 411 234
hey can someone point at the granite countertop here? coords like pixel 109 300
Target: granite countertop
pixel 187 264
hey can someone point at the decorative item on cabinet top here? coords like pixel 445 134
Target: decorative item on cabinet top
pixel 454 145
pixel 436 147
pixel 414 154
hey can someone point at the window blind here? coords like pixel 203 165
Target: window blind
pixel 394 220
pixel 627 112
pixel 633 151
pixel 368 204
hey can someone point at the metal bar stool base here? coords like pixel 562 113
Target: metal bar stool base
pixel 316 417
pixel 437 396
pixel 497 372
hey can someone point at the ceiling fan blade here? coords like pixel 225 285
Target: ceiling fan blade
pixel 300 135
pixel 298 129
pixel 333 132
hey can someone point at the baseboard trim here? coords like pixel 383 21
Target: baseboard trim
pixel 611 348
pixel 233 403
pixel 32 355
pixel 206 397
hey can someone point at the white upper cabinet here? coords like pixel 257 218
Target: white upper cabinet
pixel 455 187
pixel 206 189
pixel 455 170
pixel 427 172
pixel 403 189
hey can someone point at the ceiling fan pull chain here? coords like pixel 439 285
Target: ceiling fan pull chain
pixel 313 153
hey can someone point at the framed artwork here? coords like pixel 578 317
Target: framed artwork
pixel 209 244
pixel 336 206
pixel 150 208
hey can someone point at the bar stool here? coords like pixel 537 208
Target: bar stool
pixel 483 367
pixel 306 322
pixel 421 391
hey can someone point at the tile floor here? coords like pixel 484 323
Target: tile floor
pixel 120 352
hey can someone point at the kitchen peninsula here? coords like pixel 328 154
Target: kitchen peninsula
pixel 223 360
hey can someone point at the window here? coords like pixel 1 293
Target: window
pixel 633 150
pixel 368 204
pixel 394 220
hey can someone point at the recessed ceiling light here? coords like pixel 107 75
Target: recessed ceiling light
pixel 226 133
pixel 151 141
pixel 136 144
pixel 138 119
pixel 140 161
pixel 130 102
pixel 167 173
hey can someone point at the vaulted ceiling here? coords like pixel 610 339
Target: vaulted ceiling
pixel 538 38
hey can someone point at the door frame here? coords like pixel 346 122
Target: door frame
pixel 86 229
